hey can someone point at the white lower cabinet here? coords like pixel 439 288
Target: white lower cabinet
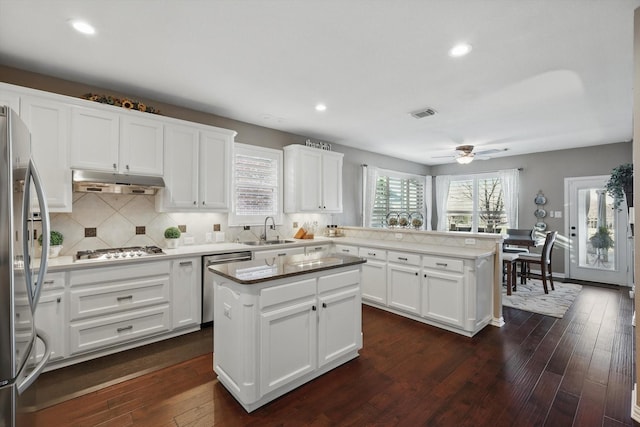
pixel 287 331
pixel 186 292
pixel 452 293
pixel 374 275
pixel 443 297
pixel 51 316
pixel 118 304
pixel 403 281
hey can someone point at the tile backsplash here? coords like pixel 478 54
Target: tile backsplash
pixel 118 220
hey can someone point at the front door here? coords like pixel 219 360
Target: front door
pixel 598 245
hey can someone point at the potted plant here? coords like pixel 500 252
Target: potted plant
pixel 602 241
pixel 55 243
pixel 621 184
pixel 171 235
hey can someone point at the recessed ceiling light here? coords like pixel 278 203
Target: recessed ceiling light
pixel 83 27
pixel 460 49
pixel 321 107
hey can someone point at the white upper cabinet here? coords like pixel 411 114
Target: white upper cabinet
pixel 141 146
pixel 197 169
pixel 116 142
pixel 313 180
pixel 48 122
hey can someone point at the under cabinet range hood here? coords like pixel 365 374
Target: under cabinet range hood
pixel 107 182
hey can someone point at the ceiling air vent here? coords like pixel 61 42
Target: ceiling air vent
pixel 421 114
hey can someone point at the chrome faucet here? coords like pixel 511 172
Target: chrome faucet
pixel 263 236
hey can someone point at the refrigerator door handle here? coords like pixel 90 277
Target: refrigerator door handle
pixel 34 289
pixel 33 375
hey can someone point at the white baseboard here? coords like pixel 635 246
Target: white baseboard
pixel 635 409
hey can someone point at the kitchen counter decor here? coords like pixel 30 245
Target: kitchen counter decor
pixel 392 220
pixel 129 104
pixel 404 219
pixel 416 220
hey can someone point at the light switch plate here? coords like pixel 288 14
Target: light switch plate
pixel 469 241
pixel 558 214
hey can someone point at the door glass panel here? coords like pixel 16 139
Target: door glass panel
pixel 597 248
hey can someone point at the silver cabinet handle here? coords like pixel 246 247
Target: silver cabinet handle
pixel 441 264
pixel 371 253
pixel 127 167
pixel 185 263
pixel 124 298
pixel 403 258
pixel 195 203
pixel 283 254
pixel 59 300
pixel 126 328
pixel 346 250
pixel 115 166
pixel 49 282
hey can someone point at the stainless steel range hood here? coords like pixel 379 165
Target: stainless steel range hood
pixel 106 182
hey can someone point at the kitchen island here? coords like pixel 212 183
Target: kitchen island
pixel 281 322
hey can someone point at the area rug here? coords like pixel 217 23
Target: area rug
pixel 531 297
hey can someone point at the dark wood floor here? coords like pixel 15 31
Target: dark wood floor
pixel 536 370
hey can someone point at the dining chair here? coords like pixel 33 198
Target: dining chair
pixel 542 259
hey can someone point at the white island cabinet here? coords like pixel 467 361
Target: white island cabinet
pixel 286 324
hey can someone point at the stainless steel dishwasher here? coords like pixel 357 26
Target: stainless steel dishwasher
pixel 207 279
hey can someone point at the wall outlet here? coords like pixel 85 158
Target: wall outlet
pixel 469 241
pixel 216 227
pixel 208 237
pixel 398 236
pixel 558 214
pixel 551 214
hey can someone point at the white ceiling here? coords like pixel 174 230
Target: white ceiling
pixel 542 75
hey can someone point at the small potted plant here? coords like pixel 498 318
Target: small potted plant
pixel 171 235
pixel 55 243
pixel 620 184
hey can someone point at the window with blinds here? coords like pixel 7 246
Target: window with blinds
pixel 257 188
pixel 397 194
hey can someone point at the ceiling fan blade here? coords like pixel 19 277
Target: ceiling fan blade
pixel 490 151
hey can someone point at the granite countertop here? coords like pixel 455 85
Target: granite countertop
pixel 65 263
pixel 262 270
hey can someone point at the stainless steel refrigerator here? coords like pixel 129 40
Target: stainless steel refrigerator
pixel 22 209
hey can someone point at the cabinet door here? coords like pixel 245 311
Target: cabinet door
pixel 141 146
pixel 180 169
pixel 403 287
pixel 443 297
pixel 309 176
pixel 50 318
pixel 186 292
pixel 340 325
pixel 49 123
pixel 332 182
pixel 10 99
pixel 288 347
pixel 374 281
pixel 94 139
pixel 215 162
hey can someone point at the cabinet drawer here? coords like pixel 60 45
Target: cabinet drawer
pixel 332 282
pixel 380 254
pixel 445 264
pixel 112 330
pixel 317 248
pixel 110 298
pixel 53 281
pixel 121 273
pixel 347 250
pixel 403 258
pixel 288 292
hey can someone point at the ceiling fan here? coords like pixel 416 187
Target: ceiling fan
pixel 465 154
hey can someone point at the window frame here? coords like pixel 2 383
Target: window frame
pixel 257 151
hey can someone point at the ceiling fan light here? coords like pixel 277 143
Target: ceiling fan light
pixel 465 159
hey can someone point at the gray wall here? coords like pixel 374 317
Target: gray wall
pixel 546 172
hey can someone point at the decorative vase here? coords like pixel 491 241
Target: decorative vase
pixel 171 243
pixel 54 251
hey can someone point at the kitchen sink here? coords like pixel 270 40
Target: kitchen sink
pixel 267 242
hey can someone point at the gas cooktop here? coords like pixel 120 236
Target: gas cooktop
pixel 118 253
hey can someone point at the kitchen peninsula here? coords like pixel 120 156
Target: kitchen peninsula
pixel 284 321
